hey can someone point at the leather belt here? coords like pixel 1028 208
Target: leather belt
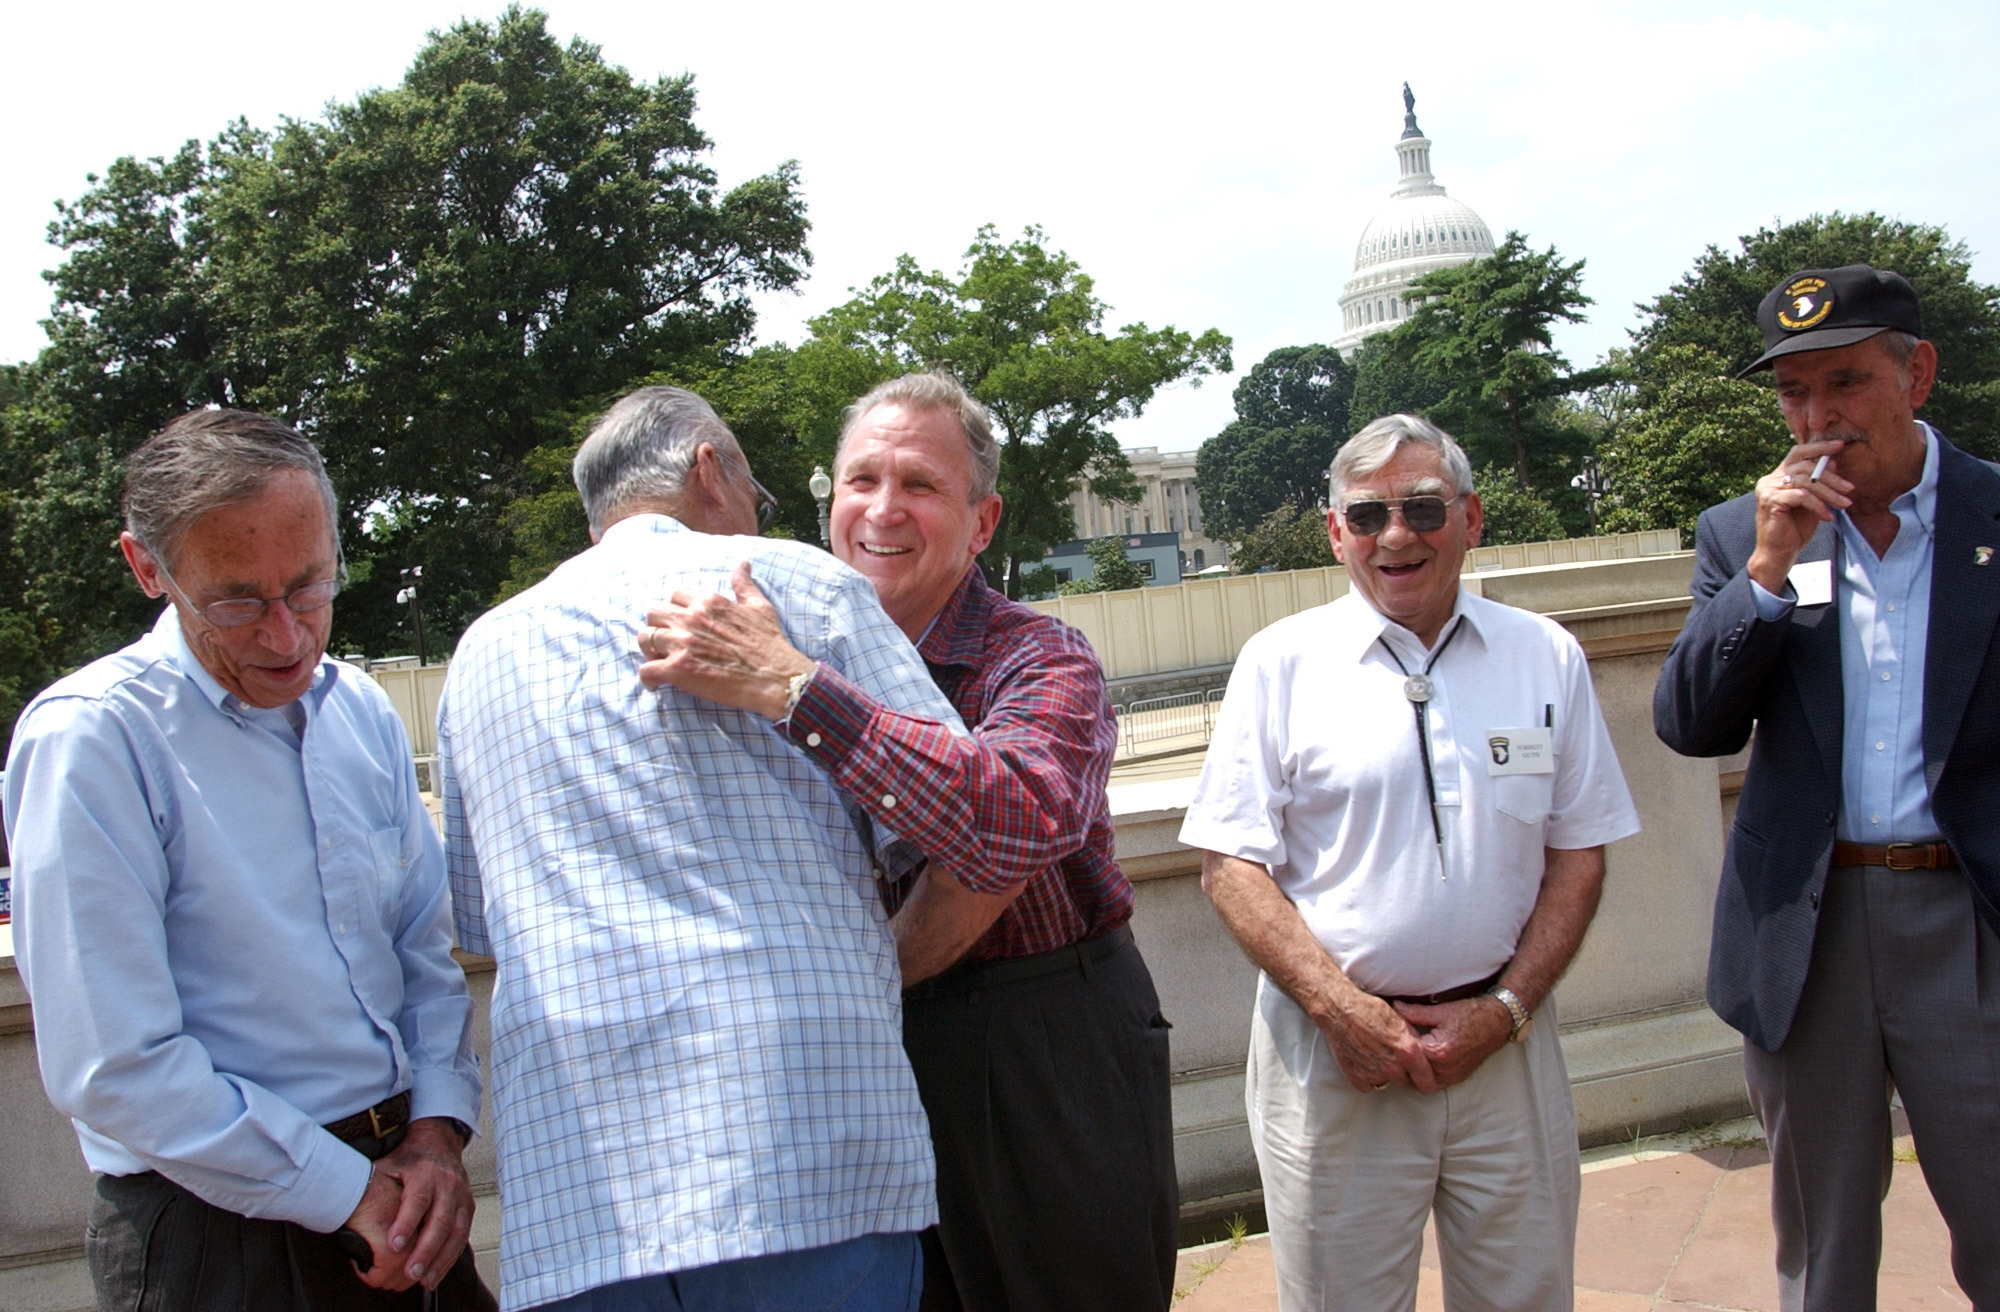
pixel 379 1128
pixel 1076 958
pixel 1897 856
pixel 1459 994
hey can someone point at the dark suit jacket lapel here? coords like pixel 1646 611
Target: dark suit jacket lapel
pixel 1965 597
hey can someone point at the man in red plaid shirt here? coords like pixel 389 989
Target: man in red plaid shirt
pixel 1029 1017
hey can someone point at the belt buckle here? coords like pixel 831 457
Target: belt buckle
pixel 375 1124
pixel 1889 856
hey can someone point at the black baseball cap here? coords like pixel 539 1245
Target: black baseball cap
pixel 1817 309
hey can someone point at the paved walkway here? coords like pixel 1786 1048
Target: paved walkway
pixel 1659 1229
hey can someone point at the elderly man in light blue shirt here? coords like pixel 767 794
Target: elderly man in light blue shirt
pixel 700 1091
pixel 232 917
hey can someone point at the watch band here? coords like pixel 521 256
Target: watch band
pixel 1507 998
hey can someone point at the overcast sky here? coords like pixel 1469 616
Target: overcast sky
pixel 1209 166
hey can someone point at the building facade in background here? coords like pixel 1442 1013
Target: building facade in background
pixel 1418 231
pixel 1167 503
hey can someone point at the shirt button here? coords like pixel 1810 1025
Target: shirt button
pixel 888 801
pixel 1892 605
pixel 1880 746
pixel 812 740
pixel 1885 676
pixel 1874 819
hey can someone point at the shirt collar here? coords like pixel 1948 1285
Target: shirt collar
pixel 958 633
pixel 1920 501
pixel 167 630
pixel 1366 625
pixel 646 522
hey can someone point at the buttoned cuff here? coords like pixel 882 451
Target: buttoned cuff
pixel 444 1093
pixel 831 718
pixel 1769 606
pixel 330 1186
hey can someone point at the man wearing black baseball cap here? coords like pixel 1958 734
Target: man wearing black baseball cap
pixel 1849 609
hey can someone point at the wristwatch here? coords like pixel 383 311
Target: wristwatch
pixel 1523 1022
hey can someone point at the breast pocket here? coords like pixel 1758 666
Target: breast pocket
pixel 1526 797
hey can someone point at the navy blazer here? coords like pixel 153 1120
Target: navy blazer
pixel 1728 672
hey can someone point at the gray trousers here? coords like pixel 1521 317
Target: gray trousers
pixel 1903 992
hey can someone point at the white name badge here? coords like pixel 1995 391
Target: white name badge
pixel 1813 581
pixel 1520 751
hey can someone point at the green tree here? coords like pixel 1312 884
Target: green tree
pixel 1513 513
pixel 1483 331
pixel 1290 537
pixel 1291 415
pixel 1022 327
pixel 1714 307
pixel 435 282
pixel 1706 437
pixel 1111 570
pixel 1387 382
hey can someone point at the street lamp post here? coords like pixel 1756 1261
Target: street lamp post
pixel 413 576
pixel 822 491
pixel 1593 486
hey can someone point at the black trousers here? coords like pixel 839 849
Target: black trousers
pixel 1050 1113
pixel 155 1247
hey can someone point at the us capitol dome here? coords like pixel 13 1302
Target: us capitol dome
pixel 1419 231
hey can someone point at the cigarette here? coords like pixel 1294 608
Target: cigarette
pixel 1819 467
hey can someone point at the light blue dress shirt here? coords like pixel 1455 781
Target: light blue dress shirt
pixel 697 1014
pixel 1885 611
pixel 233 930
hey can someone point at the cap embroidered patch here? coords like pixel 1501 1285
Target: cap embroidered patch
pixel 1806 301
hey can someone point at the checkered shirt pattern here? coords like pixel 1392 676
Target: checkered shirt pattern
pixel 697 1021
pixel 1022 801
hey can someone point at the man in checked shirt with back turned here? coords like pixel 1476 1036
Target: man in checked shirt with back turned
pixel 1029 1016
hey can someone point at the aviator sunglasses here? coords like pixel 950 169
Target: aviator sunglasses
pixel 1423 514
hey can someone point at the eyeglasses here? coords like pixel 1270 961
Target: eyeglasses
pixel 767 505
pixel 1421 514
pixel 235 612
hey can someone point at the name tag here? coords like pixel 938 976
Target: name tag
pixel 1520 751
pixel 1813 581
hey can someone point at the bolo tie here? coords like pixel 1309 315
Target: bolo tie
pixel 1419 689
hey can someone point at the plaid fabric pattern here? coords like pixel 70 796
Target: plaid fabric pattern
pixel 697 1025
pixel 1022 801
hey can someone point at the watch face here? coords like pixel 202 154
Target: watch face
pixel 1521 1035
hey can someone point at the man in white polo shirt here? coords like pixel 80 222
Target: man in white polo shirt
pixel 1404 810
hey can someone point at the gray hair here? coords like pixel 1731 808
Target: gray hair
pixel 1377 444
pixel 208 459
pixel 936 391
pixel 643 447
pixel 1900 345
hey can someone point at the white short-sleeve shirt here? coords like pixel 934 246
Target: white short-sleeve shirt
pixel 1315 771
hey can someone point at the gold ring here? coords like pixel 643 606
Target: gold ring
pixel 1788 480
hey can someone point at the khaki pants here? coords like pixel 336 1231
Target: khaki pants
pixel 1349 1178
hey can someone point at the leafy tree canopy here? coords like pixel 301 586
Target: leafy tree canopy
pixel 435 282
pixel 1513 513
pixel 1388 382
pixel 1290 537
pixel 1705 438
pixel 1022 327
pixel 1714 307
pixel 1291 416
pixel 1111 570
pixel 1482 330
